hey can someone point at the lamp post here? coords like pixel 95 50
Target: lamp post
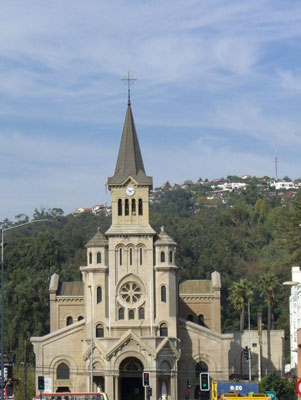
pixel 2 296
pixel 293 305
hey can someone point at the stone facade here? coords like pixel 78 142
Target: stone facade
pixel 128 314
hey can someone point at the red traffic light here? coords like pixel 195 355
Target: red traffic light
pixel 145 379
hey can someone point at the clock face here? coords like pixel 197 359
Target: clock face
pixel 130 191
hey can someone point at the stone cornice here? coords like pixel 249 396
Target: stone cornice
pixel 89 268
pixel 70 299
pixel 198 296
pixel 166 268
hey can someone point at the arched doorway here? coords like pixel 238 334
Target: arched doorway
pixel 130 372
pixel 200 367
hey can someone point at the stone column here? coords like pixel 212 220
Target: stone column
pixel 116 382
pixel 109 385
pixel 154 386
pixel 173 386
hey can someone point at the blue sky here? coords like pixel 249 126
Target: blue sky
pixel 218 84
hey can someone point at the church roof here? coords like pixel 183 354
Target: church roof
pixel 129 161
pixel 194 286
pixel 98 240
pixel 164 239
pixel 71 289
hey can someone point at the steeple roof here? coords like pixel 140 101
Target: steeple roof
pixel 129 161
pixel 164 239
pixel 98 240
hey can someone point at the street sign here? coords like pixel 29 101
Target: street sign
pixel 298 387
pixel 242 387
pixel 48 385
pixel 271 394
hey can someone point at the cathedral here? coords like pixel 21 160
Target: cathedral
pixel 129 314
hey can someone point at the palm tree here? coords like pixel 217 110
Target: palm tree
pixel 267 284
pixel 240 293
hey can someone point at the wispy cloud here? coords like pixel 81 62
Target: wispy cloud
pixel 218 85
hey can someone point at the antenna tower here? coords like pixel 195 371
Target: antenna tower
pixel 276 162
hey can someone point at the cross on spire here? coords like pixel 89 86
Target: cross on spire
pixel 129 80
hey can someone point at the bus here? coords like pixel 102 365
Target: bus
pixel 71 396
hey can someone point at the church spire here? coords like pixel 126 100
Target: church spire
pixel 129 161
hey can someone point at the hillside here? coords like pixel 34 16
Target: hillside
pixel 248 237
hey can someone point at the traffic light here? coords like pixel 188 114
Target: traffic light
pixel 204 382
pixel 186 395
pixel 246 352
pixel 41 383
pixel 149 391
pixel 145 379
pixel 189 384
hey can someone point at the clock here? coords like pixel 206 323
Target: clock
pixel 130 191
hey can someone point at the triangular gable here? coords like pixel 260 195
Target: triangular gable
pixel 124 340
pixel 130 180
pixel 97 346
pixel 167 344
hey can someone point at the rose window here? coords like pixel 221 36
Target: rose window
pixel 130 293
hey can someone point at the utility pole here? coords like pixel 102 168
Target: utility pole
pixel 249 347
pixel 25 371
pixel 259 327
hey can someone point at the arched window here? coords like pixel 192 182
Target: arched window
pixel 90 258
pixel 63 371
pixel 162 256
pixel 163 330
pixel 121 313
pixel 200 367
pixel 99 294
pixel 131 314
pixel 119 207
pixel 126 207
pixel 170 257
pixel 99 331
pixel 131 256
pixel 201 320
pixel 120 256
pixel 163 294
pixel 141 313
pixel 80 318
pixel 133 207
pixel 140 256
pixel 98 258
pixel 69 321
pixel 140 207
pixel 190 317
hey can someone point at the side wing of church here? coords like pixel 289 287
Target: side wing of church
pixel 128 314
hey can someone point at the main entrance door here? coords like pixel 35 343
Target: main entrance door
pixel 130 373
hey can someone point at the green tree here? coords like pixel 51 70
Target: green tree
pixel 285 389
pixel 240 293
pixel 267 284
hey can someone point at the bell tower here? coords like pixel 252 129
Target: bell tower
pixel 130 237
pixel 129 185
